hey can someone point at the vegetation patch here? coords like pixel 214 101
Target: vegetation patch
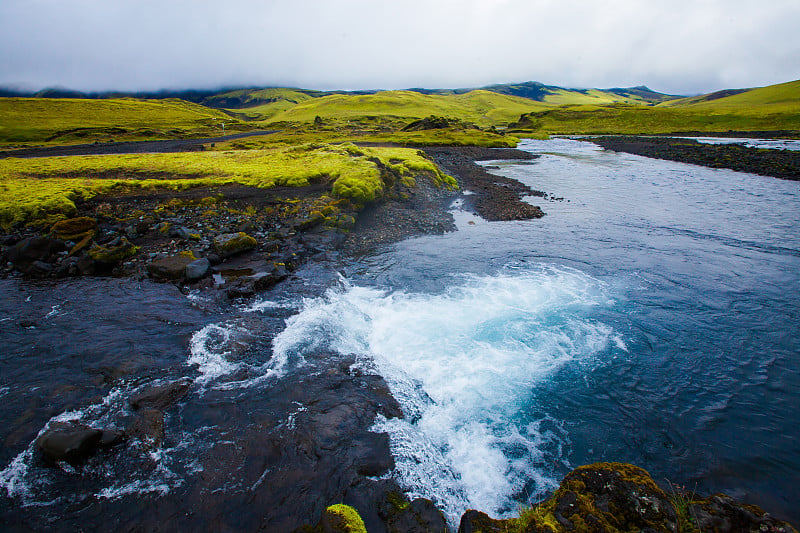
pixel 44 190
pixel 64 120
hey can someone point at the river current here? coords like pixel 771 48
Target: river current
pixel 652 317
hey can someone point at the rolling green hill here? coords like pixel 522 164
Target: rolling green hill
pixel 771 108
pixel 481 107
pixel 82 120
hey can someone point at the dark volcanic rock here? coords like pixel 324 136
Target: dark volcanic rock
pixel 172 267
pixel 496 198
pixel 160 396
pixel 722 514
pixel 74 442
pixel 623 497
pixel 778 163
pixel 148 427
pixel 419 516
pixel 197 269
pixel 29 251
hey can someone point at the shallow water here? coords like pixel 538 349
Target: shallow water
pixel 651 317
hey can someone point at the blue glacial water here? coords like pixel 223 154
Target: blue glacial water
pixel 652 317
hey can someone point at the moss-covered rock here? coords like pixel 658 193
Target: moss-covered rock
pixel 618 497
pixel 73 228
pixel 341 518
pixel 229 244
pixel 119 250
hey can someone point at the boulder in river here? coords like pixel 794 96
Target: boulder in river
pixel 229 244
pixel 74 442
pixel 160 396
pixel 623 497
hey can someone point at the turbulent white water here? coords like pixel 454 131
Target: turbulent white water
pixel 463 365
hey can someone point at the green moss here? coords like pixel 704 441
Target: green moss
pixel 344 519
pixel 113 253
pixel 83 120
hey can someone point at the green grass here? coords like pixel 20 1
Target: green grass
pixel 624 119
pixel 784 96
pixel 40 191
pixel 481 107
pixel 38 120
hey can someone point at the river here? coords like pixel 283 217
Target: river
pixel 652 317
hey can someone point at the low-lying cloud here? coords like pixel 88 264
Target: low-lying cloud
pixel 679 47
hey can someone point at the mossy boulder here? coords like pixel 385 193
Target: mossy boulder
pixel 622 497
pixel 74 228
pixel 118 250
pixel 341 518
pixel 229 244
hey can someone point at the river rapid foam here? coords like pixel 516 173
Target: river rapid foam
pixel 462 363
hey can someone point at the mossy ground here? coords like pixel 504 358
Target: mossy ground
pixel 43 190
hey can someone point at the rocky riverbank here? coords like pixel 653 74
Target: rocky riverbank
pixel 242 240
pixel 777 163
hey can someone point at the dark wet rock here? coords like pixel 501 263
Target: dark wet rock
pixel 70 442
pixel 74 228
pixel 148 427
pixel 418 516
pixel 160 396
pixel 722 514
pixel 778 163
pixel 172 267
pixel 197 269
pixel 35 249
pixel 114 252
pixel 495 197
pixel 229 244
pixel 623 497
pixel 479 522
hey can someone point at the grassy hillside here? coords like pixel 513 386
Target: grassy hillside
pixel 783 95
pixel 772 108
pixel 81 120
pixel 481 107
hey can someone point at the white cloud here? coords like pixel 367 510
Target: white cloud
pixel 680 46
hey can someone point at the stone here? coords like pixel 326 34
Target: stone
pixel 113 253
pixel 229 244
pixel 73 229
pixel 69 442
pixel 172 267
pixel 197 269
pixel 160 396
pixel 341 518
pixel 148 427
pixel 28 251
pixel 419 516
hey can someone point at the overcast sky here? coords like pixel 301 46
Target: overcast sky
pixel 673 46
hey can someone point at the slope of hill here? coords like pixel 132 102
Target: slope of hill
pixel 481 107
pixel 68 119
pixel 783 95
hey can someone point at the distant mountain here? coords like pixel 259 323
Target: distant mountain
pixel 248 97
